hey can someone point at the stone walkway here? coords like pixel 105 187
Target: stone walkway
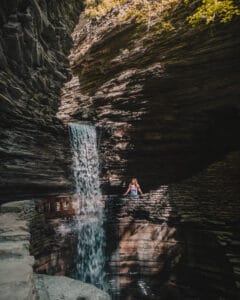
pixel 16 273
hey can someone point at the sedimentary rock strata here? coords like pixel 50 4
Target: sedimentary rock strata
pixel 166 103
pixel 34 44
pixel 16 272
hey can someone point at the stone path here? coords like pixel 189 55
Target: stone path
pixel 16 271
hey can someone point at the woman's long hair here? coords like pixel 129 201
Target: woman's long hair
pixel 134 181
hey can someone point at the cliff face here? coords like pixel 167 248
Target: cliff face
pixel 184 236
pixel 34 45
pixel 166 106
pixel 166 102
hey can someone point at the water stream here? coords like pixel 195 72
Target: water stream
pixel 85 166
pixel 90 258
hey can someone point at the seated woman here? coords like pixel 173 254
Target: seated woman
pixel 134 188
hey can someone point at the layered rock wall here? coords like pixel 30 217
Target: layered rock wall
pixel 184 236
pixel 16 273
pixel 34 44
pixel 167 101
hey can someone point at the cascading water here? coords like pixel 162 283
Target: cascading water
pixel 85 165
pixel 90 258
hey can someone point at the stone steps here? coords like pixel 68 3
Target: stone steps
pixel 16 264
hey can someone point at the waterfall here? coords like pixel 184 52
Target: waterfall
pixel 85 165
pixel 90 258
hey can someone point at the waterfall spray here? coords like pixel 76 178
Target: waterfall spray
pixel 90 260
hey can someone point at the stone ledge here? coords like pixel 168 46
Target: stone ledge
pixel 14 207
pixel 61 287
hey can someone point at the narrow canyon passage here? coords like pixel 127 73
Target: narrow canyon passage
pixel 93 94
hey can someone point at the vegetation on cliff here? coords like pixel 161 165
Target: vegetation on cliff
pixel 214 10
pixel 151 12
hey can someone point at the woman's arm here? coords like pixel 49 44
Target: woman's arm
pixel 128 190
pixel 140 191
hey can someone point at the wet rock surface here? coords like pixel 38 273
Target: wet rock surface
pixel 34 44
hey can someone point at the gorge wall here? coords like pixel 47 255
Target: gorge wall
pixel 34 44
pixel 166 102
pixel 166 107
